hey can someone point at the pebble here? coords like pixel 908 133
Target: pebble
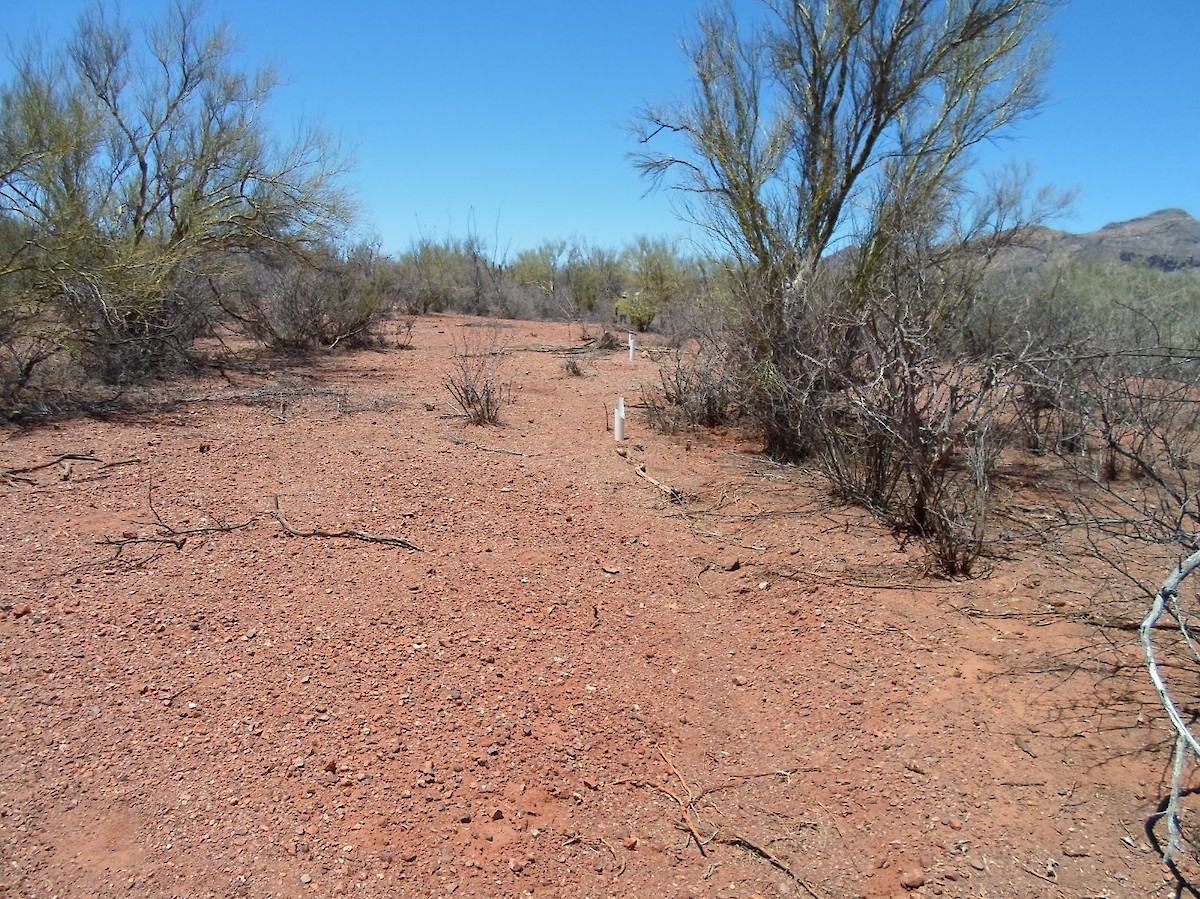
pixel 306 878
pixel 912 879
pixel 21 610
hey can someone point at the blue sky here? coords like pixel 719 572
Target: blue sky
pixel 508 118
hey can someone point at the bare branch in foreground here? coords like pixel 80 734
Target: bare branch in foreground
pixel 1185 742
pixel 351 534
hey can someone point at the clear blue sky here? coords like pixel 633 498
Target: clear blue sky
pixel 508 117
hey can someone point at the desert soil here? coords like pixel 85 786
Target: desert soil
pixel 576 683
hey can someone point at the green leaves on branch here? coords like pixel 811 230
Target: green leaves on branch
pixel 134 160
pixel 826 149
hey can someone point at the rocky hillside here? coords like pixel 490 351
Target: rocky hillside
pixel 1168 240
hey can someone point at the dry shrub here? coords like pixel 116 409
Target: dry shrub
pixel 695 390
pixel 476 378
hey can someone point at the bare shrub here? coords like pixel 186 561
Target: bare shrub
pixel 120 333
pixel 301 304
pixel 476 378
pixel 695 389
pixel 404 333
pixel 1133 466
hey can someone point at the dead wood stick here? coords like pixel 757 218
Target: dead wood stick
pixel 352 534
pixel 671 766
pixel 176 536
pixel 167 532
pixel 684 807
pixel 458 441
pixel 14 474
pixel 730 838
pixel 686 824
pixel 674 494
pixel 65 457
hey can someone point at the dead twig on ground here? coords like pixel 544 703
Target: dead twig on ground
pixel 1187 747
pixel 168 533
pixel 639 469
pixel 691 823
pixel 13 475
pixel 458 441
pixel 730 838
pixel 351 534
pixel 674 495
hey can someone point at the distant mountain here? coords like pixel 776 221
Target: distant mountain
pixel 1168 240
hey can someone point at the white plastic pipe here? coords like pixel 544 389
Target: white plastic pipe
pixel 632 346
pixel 619 419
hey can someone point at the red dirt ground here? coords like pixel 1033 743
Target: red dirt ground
pixel 570 681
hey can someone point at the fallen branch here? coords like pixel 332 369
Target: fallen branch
pixel 168 533
pixel 691 824
pixel 1185 741
pixel 458 441
pixel 729 838
pixel 676 496
pixel 65 457
pixel 351 534
pixel 65 460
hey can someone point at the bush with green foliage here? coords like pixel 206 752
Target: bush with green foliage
pixel 134 165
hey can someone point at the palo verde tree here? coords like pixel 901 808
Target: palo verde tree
pixel 822 125
pixel 135 161
pixel 827 149
pixel 658 276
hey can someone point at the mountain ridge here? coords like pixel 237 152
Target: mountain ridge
pixel 1166 239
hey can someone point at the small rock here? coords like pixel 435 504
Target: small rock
pixel 912 879
pixel 739 680
pixel 21 611
pixel 732 564
pixel 306 878
pixel 978 865
pixel 516 865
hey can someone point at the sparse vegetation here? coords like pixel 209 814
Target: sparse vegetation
pixel 476 379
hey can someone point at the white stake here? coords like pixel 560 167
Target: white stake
pixel 619 419
pixel 632 346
